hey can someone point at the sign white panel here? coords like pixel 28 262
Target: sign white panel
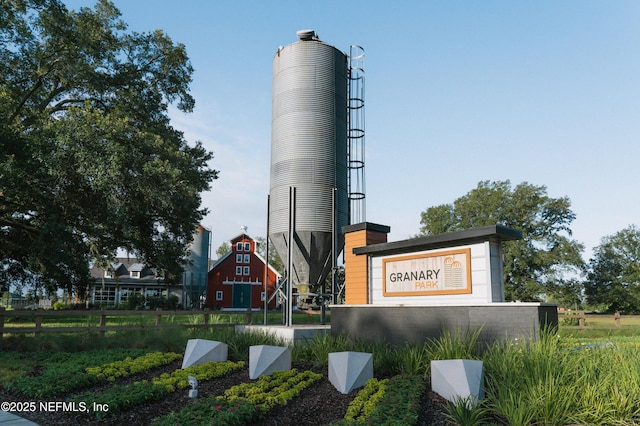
pixel 447 272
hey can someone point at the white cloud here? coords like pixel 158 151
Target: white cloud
pixel 239 196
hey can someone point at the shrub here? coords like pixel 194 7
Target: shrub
pixel 238 412
pixel 64 372
pixel 393 401
pixel 466 412
pixel 135 301
pixel 129 366
pixel 570 321
pixel 454 345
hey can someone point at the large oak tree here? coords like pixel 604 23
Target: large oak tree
pixel 614 272
pixel 89 161
pixel 544 260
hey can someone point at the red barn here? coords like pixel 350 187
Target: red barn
pixel 236 280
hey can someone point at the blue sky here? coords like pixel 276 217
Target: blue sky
pixel 457 92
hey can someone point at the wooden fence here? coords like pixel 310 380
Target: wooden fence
pixel 101 325
pixel 583 320
pixel 566 319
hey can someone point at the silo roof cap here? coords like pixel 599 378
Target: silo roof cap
pixel 307 35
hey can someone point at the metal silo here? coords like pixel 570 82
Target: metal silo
pixel 309 157
pixel 195 276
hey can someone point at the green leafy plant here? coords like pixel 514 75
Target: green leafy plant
pixel 414 359
pixel 466 412
pixel 63 372
pixel 454 345
pixel 120 398
pixel 13 366
pixel 552 379
pixel 240 344
pixel 244 403
pixel 317 349
pixel 213 411
pixel 365 402
pixel 393 401
pixel 129 366
pixel 273 390
pixel 179 378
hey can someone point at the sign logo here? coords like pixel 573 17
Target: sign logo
pixel 427 274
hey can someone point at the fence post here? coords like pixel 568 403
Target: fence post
pixel 206 319
pixel 581 320
pixel 2 312
pixel 38 325
pixel 103 322
pixel 616 317
pixel 158 317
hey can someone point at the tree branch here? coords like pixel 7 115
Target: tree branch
pixel 34 88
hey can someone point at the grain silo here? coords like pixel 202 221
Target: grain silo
pixel 195 275
pixel 309 194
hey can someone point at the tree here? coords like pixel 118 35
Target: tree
pixel 89 162
pixel 223 249
pixel 6 300
pixel 274 259
pixel 543 258
pixel 614 272
pixel 566 292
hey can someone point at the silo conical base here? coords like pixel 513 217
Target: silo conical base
pixel 311 255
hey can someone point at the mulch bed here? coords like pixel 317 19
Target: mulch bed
pixel 321 404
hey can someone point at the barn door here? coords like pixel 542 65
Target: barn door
pixel 241 295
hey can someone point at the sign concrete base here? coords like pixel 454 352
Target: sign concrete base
pixel 199 351
pixel 265 359
pixel 399 324
pixel 350 370
pixel 287 335
pixel 458 379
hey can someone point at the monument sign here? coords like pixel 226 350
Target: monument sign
pixel 413 290
pixel 432 273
